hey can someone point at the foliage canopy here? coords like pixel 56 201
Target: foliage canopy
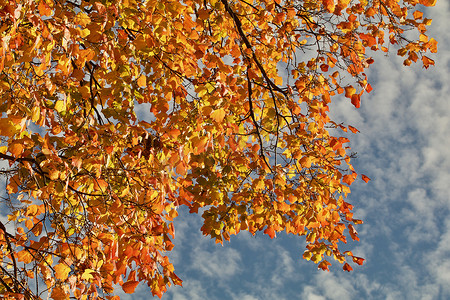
pixel 235 95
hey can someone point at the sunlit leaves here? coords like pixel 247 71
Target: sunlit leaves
pixel 116 114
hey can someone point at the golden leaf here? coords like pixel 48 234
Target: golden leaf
pixel 61 271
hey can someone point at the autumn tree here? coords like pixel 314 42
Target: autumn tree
pixel 235 95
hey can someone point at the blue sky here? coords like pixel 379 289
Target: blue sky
pixel 404 148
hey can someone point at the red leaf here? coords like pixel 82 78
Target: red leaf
pixel 358 260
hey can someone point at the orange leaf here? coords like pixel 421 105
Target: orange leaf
pixel 417 15
pixel 270 232
pixel 347 267
pixel 173 132
pixel 428 2
pixel 365 178
pixel 329 5
pixel 353 232
pixel 59 293
pixel 181 168
pixel 358 260
pixel 25 256
pixel 129 286
pixel 324 265
pixel 427 62
pixel 349 91
pixel 142 81
pixel 305 162
pixel 101 184
pixel 353 129
pixel 16 149
pixel 7 128
pixel 44 9
pixel 356 101
pixel 76 162
pixel 29 224
pixel 348 179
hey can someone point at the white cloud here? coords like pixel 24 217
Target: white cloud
pixel 221 263
pixel 248 297
pixel 309 293
pixel 327 286
pixel 437 261
pixel 192 290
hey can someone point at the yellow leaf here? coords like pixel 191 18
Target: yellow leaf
pixel 82 19
pixel 60 106
pixel 218 115
pixel 125 191
pixel 61 271
pixel 35 114
pixel 87 275
pixel 32 210
pixel 258 184
pixel 202 91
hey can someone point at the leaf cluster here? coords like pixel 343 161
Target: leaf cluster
pixel 235 95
